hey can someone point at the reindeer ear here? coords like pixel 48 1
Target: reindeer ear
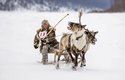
pixel 70 23
pixel 96 32
pixel 83 26
pixel 86 32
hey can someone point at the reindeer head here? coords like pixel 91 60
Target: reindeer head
pixel 91 36
pixel 74 27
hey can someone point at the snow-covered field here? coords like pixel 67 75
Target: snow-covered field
pixel 20 61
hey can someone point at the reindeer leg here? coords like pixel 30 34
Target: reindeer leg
pixel 57 66
pixel 69 52
pixel 55 57
pixel 83 61
pixel 75 62
pixel 66 56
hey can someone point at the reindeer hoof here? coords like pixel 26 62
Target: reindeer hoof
pixel 57 66
pixel 73 68
pixel 82 65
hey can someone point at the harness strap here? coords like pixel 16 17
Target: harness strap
pixel 74 47
pixel 77 38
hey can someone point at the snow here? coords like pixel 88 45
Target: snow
pixel 20 61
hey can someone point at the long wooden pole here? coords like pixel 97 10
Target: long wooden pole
pixel 57 24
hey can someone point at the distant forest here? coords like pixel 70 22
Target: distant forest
pixel 64 5
pixel 117 6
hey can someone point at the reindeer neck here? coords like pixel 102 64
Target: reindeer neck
pixel 81 42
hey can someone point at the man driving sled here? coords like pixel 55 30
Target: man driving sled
pixel 45 36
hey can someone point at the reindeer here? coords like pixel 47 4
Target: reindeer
pixel 76 43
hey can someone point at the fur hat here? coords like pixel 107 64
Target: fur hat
pixel 45 22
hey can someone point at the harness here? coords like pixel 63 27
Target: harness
pixel 77 50
pixel 77 38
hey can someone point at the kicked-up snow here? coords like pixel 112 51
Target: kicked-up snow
pixel 20 61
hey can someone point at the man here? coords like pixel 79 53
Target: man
pixel 46 37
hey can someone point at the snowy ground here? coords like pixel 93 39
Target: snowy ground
pixel 20 61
